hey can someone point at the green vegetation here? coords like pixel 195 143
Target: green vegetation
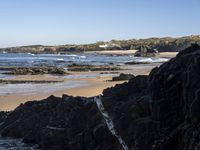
pixel 166 44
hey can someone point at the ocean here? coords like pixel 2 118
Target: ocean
pixel 59 60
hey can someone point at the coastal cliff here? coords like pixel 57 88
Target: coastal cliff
pixel 166 44
pixel 155 112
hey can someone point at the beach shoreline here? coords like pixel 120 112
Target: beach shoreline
pixel 89 83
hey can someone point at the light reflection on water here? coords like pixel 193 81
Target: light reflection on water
pixel 31 89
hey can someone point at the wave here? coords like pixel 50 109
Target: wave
pixel 60 59
pixel 151 60
pixel 31 54
pixel 82 57
pixel 71 55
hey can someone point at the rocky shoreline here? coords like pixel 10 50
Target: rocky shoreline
pixel 155 112
pixel 32 70
pixel 166 44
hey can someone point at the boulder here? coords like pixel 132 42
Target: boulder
pixel 123 77
pixel 146 51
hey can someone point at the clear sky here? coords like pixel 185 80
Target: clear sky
pixel 28 22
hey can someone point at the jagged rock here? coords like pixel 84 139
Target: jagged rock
pixel 3 116
pixel 33 70
pixel 60 123
pixel 87 67
pixel 156 112
pixel 123 77
pixel 146 51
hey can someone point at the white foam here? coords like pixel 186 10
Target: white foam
pixel 60 59
pixel 151 60
pixel 30 54
pixel 71 55
pixel 83 57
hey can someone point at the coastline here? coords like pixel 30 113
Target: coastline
pixel 88 83
pixel 91 84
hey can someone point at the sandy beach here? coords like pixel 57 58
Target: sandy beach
pixel 114 52
pixel 94 84
pixel 89 83
pixel 132 52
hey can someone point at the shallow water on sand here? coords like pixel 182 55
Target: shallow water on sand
pixel 32 89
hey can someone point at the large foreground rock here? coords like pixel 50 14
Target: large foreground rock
pixel 156 112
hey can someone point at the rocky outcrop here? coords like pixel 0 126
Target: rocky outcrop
pixel 86 67
pixel 166 44
pixel 3 81
pixel 3 116
pixel 155 112
pixel 33 70
pixel 59 124
pixel 146 51
pixel 123 77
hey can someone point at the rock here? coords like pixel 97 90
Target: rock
pixel 156 112
pixel 3 116
pixel 3 81
pixel 33 70
pixel 166 44
pixel 123 77
pixel 146 51
pixel 136 63
pixel 87 67
pixel 60 123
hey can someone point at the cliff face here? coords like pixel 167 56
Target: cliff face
pixel 155 112
pixel 160 44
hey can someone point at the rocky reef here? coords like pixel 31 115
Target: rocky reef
pixel 156 112
pixel 33 70
pixel 87 67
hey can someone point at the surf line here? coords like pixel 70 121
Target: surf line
pixel 109 121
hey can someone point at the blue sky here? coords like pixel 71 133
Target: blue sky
pixel 28 22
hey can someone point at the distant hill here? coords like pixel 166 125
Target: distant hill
pixel 166 44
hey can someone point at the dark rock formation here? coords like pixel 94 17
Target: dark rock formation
pixel 146 51
pixel 60 124
pixel 3 116
pixel 123 77
pixel 136 63
pixel 156 112
pixel 3 81
pixel 33 70
pixel 87 67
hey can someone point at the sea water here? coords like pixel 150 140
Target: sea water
pixel 58 60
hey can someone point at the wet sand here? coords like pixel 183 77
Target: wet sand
pixel 168 54
pixel 94 84
pixel 132 52
pixel 93 87
pixel 114 52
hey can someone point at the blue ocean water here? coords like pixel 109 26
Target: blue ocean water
pixel 28 59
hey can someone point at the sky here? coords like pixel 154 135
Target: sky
pixel 54 22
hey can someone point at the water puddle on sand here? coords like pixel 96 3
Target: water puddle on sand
pixel 31 89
